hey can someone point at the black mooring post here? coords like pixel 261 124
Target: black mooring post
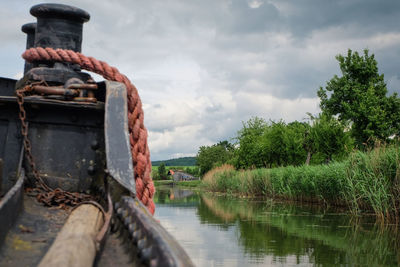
pixel 58 26
pixel 29 29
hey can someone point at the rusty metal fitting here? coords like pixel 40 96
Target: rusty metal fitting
pixel 74 92
pixel 55 90
pixel 83 86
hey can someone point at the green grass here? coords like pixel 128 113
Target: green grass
pixel 163 182
pixel 364 182
pixel 195 183
pixel 180 183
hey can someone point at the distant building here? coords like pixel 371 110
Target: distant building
pixel 179 175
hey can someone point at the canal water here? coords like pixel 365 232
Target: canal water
pixel 223 231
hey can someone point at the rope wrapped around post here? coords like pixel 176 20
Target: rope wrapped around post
pixel 137 131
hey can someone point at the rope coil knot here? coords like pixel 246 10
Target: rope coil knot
pixel 137 131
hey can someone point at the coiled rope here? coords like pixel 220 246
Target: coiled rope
pixel 137 131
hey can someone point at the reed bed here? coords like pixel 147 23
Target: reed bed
pixel 365 182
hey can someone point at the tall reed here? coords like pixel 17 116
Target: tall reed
pixel 372 181
pixel 365 182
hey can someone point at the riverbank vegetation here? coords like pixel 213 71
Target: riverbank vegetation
pixel 161 172
pixel 347 155
pixel 190 184
pixel 357 113
pixel 184 161
pixel 366 181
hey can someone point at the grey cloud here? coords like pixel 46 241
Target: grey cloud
pixel 242 19
pixel 310 15
pixel 213 109
pixel 203 67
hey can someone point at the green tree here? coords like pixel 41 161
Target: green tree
pixel 359 97
pixel 276 148
pixel 272 144
pixel 329 138
pixel 162 173
pixel 193 170
pixel 251 150
pixel 283 144
pixel 209 157
pixel 295 139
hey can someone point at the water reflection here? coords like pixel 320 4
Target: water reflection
pixel 176 196
pixel 233 232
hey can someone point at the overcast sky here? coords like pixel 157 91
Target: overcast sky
pixel 203 67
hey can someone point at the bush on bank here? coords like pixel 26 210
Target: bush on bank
pixel 364 182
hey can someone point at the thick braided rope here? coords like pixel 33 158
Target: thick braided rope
pixel 137 132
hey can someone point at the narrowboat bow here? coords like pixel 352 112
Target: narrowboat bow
pixel 75 186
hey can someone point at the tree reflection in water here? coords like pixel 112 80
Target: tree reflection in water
pixel 293 233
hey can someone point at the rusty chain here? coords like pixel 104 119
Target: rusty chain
pixel 45 194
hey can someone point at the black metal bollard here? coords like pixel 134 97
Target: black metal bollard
pixel 29 29
pixel 58 26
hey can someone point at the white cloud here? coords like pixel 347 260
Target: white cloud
pixel 203 67
pixel 255 3
pixel 270 107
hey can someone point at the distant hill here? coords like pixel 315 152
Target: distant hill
pixel 185 161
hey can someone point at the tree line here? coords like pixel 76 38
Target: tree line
pixel 356 113
pixel 183 161
pixel 163 170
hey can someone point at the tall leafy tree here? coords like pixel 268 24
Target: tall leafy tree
pixel 329 137
pixel 272 144
pixel 252 150
pixel 277 145
pixel 209 157
pixel 360 97
pixel 162 173
pixel 295 135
